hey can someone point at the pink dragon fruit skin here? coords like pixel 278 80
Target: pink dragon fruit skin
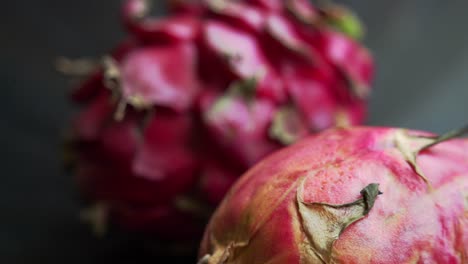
pixel 189 102
pixel 348 195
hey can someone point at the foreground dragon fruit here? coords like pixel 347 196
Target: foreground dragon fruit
pixel 184 106
pixel 349 195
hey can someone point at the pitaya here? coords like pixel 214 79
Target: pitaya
pixel 184 106
pixel 348 195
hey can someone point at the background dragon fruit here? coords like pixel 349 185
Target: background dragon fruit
pixel 188 102
pixel 349 195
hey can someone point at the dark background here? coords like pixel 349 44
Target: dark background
pixel 421 48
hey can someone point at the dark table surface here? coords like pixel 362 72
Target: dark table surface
pixel 421 48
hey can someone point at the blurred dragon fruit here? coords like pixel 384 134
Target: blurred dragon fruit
pixel 188 102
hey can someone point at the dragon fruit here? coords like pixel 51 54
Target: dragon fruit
pixel 189 102
pixel 349 195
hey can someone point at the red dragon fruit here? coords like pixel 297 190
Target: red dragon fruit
pixel 349 195
pixel 184 106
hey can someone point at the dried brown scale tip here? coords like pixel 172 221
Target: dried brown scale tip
pixel 112 76
pixel 410 152
pixel 75 67
pixel 403 142
pixel 447 136
pixel 204 260
pixel 193 206
pixel 358 91
pixel 287 127
pixel 112 81
pixel 97 216
pixel 324 222
pixel 119 113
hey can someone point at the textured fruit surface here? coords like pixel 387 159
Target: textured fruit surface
pixel 190 101
pixel 349 195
